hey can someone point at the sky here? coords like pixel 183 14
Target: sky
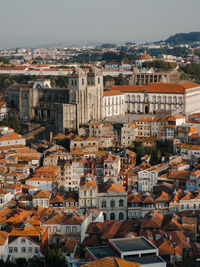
pixel 30 23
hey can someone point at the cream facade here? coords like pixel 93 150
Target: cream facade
pixel 113 104
pixel 128 133
pixel 147 99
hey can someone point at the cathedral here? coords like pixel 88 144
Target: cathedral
pixel 68 107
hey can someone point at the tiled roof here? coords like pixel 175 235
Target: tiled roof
pixel 112 93
pixel 156 87
pixel 10 136
pixel 3 237
pixel 183 175
pixel 163 197
pixel 152 220
pixel 60 136
pixel 42 194
pixel 111 262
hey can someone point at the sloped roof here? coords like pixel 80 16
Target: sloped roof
pixel 156 87
pixel 111 262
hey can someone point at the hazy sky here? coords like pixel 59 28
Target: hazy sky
pixel 37 22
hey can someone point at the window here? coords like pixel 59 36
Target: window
pixel 82 81
pixel 98 80
pixel 23 250
pixel 15 249
pixel 121 203
pixel 68 229
pixel 10 250
pixel 74 230
pixel 23 240
pixel 112 216
pixel 36 250
pixel 103 204
pixel 104 215
pixel 121 216
pixel 30 249
pixel 112 203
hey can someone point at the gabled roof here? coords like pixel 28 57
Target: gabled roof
pixel 42 194
pixel 152 220
pixel 164 247
pixel 163 197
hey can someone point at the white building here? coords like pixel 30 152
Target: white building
pixel 148 178
pixel 182 98
pixel 112 201
pixel 113 103
pixel 9 138
pixel 128 133
pixel 3 245
pixel 23 247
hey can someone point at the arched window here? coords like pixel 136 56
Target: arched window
pixel 112 203
pixel 104 215
pixel 112 216
pixel 103 204
pixel 121 216
pixel 175 100
pixel 121 203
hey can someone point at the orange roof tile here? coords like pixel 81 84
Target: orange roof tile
pixel 156 88
pixel 111 262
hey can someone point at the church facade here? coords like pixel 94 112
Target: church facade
pixel 68 107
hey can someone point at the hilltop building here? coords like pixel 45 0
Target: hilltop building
pixel 68 107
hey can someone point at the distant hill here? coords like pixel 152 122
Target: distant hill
pixel 181 38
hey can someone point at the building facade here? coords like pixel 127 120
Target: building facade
pixel 148 99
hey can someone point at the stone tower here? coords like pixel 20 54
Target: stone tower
pixel 86 91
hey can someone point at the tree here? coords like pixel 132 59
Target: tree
pixel 4 60
pixel 55 258
pixel 12 122
pixel 159 64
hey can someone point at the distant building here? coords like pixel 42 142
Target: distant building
pixel 147 76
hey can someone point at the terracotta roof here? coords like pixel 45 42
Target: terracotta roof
pixel 182 175
pixel 112 93
pixel 174 118
pixel 57 198
pixel 3 191
pixel 42 194
pixel 152 220
pixel 103 188
pixel 10 136
pixel 3 237
pixel 111 262
pixel 60 136
pixel 164 247
pixel 163 197
pixel 156 87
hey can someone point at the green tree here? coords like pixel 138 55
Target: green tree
pixel 4 60
pixel 12 122
pixel 55 258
